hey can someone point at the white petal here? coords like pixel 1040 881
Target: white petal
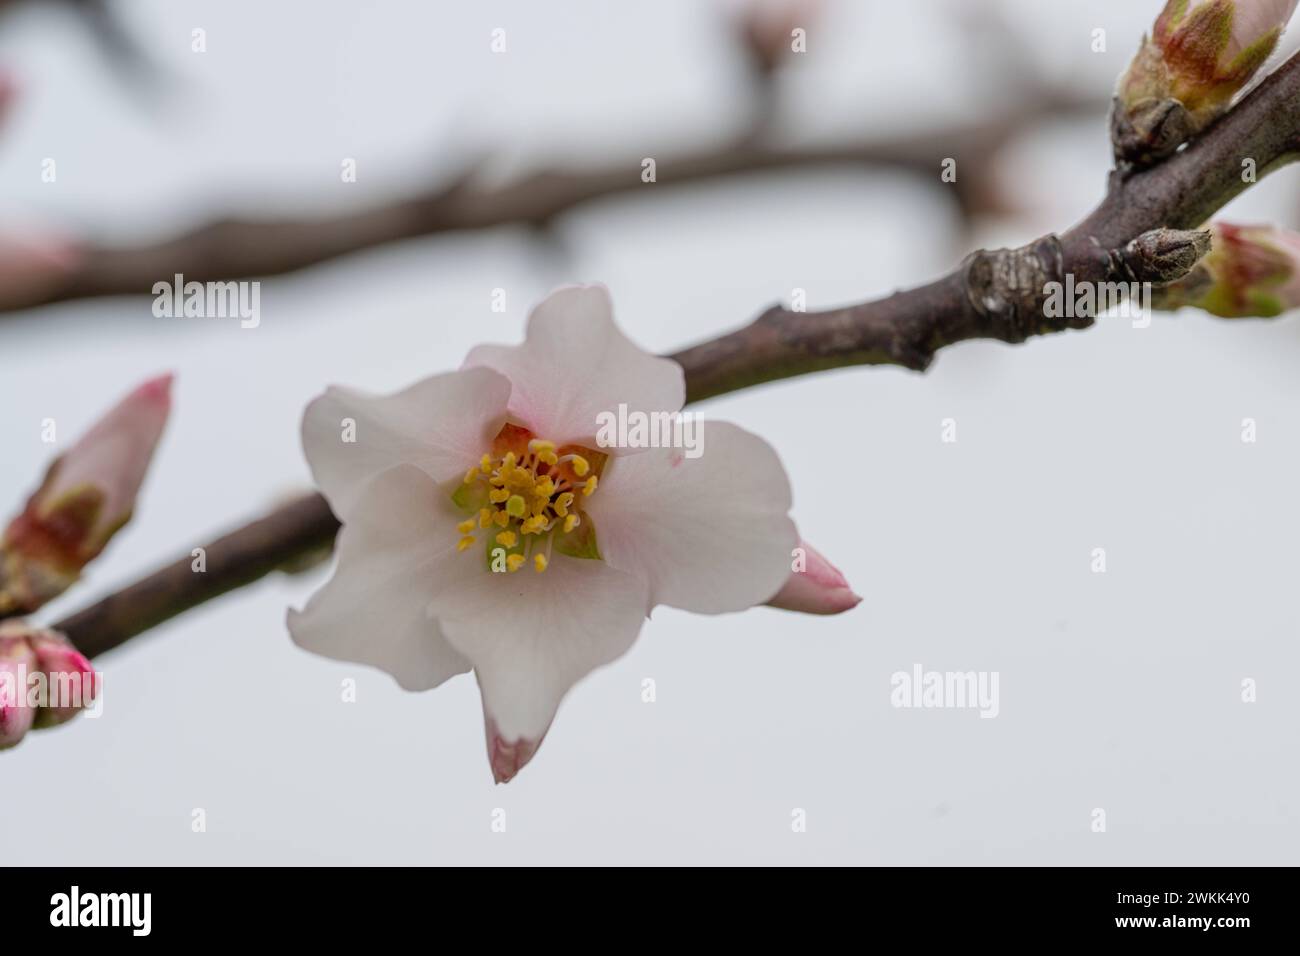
pixel 531 636
pixel 442 424
pixel 575 364
pixel 711 534
pixel 396 547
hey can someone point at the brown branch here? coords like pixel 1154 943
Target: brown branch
pixel 238 249
pixel 281 538
pixel 995 295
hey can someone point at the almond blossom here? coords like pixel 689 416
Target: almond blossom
pixel 484 529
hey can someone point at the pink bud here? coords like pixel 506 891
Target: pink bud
pixel 86 496
pixel 1250 271
pixel 71 681
pixel 17 662
pixel 819 588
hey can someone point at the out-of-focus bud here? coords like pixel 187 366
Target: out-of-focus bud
pixel 87 495
pixel 1199 56
pixel 815 586
pixel 8 93
pixel 1250 271
pixel 44 680
pixel 17 662
pixel 767 28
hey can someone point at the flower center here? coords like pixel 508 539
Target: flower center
pixel 526 495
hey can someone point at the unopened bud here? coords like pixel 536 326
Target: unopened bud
pixel 87 495
pixel 44 680
pixel 1199 56
pixel 17 661
pixel 71 681
pixel 1251 271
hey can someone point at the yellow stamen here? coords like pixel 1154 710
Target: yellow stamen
pixel 526 495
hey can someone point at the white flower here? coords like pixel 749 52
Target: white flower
pixel 484 529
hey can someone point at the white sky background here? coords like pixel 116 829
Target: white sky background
pixel 1119 691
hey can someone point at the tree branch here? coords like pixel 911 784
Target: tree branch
pixel 232 249
pixel 1134 234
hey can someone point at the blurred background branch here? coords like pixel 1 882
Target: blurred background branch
pixel 233 247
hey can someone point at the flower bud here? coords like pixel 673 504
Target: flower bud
pixel 86 496
pixel 1250 271
pixel 817 587
pixel 1199 56
pixel 71 681
pixel 44 680
pixel 17 661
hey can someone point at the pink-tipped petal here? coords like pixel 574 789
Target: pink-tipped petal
pixel 819 588
pixel 531 637
pixel 507 757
